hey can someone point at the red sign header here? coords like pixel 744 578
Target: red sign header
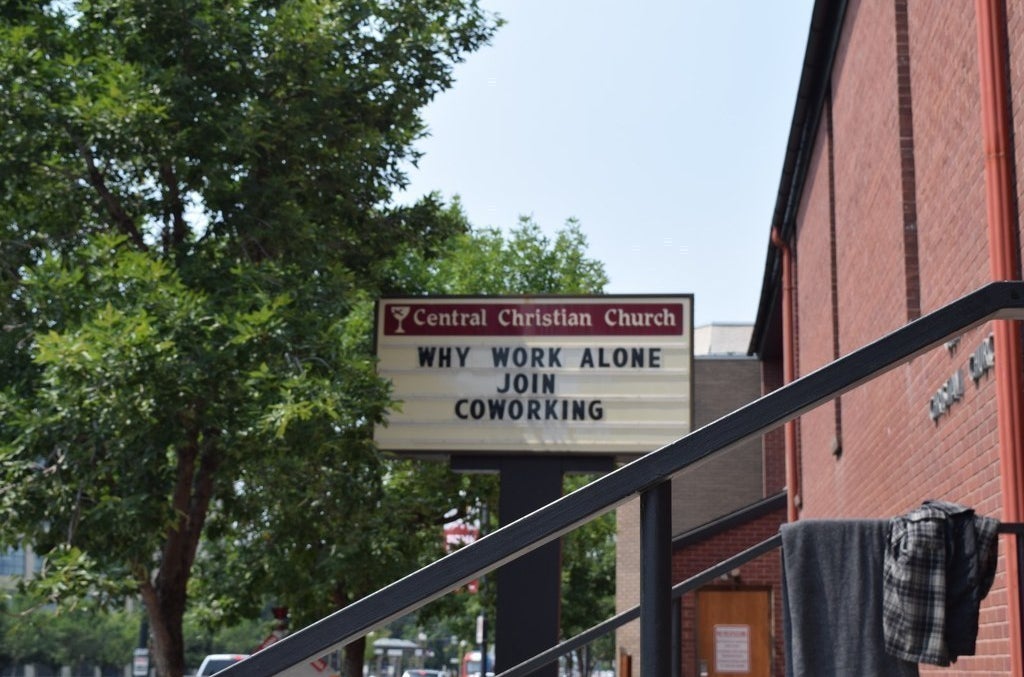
pixel 408 317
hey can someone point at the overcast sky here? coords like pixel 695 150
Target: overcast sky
pixel 659 124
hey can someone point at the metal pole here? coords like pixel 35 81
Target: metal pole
pixel 656 580
pixel 483 646
pixel 677 637
pixel 483 611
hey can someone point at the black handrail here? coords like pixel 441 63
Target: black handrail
pixel 998 300
pixel 595 632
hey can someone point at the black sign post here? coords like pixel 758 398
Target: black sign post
pixel 529 588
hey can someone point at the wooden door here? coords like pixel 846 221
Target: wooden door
pixel 734 632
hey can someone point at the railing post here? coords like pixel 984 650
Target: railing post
pixel 656 580
pixel 677 636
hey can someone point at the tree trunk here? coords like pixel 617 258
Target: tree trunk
pixel 167 655
pixel 166 595
pixel 352 663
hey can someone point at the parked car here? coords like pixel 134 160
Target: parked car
pixel 216 662
pixel 424 672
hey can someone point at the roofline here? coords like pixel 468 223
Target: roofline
pixel 737 518
pixel 822 42
pixel 723 324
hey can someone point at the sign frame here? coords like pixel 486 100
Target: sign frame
pixel 590 375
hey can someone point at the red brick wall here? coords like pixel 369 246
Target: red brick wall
pixel 765 571
pixel 870 275
pixel 949 153
pixel 774 442
pixel 894 455
pixel 868 206
pixel 887 421
pixel 815 308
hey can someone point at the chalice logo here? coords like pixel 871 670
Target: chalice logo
pixel 399 313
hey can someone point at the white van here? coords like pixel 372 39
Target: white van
pixel 216 662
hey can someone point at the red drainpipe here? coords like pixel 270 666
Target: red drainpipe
pixel 788 373
pixel 1005 265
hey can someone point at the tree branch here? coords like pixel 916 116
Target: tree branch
pixel 175 206
pixel 113 206
pixel 193 491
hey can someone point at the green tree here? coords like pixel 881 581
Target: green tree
pixel 194 196
pixel 490 261
pixel 315 553
pixel 588 581
pixel 79 638
pixel 86 637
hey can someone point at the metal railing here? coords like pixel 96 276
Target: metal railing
pixel 678 590
pixel 689 585
pixel 647 477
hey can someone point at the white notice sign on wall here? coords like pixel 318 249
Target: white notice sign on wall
pixel 732 649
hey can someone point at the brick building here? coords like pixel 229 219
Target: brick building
pixel 719 507
pixel 899 195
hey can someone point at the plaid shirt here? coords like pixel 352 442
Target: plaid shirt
pixel 939 564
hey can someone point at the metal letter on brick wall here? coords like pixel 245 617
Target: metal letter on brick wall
pixel 983 359
pixel 951 391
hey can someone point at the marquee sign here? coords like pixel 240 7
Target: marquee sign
pixel 580 374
